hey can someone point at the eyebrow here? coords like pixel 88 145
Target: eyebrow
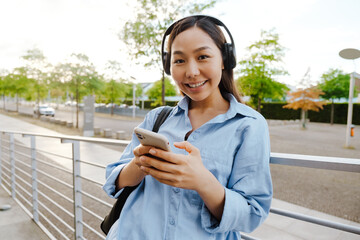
pixel 195 51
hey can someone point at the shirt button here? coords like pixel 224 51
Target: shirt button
pixel 172 221
pixel 177 190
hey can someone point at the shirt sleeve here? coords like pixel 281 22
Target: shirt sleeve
pixel 113 170
pixel 249 191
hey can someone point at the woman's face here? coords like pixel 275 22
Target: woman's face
pixel 196 64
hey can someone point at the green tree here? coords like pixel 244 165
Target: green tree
pixel 113 91
pixel 19 84
pixel 37 69
pixel 3 84
pixel 155 92
pixel 335 85
pixel 143 35
pixel 80 77
pixel 258 70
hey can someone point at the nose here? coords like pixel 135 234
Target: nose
pixel 192 69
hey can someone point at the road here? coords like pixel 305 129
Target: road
pixel 115 123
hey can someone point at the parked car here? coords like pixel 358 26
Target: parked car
pixel 44 110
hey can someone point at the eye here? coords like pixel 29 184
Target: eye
pixel 203 57
pixel 178 61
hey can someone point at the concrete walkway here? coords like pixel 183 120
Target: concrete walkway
pixel 16 224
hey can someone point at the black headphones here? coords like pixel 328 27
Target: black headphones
pixel 228 50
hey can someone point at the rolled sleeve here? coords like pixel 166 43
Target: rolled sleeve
pixel 112 174
pixel 249 191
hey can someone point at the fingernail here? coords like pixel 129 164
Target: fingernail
pixel 152 151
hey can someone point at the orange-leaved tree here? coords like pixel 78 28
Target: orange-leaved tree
pixel 306 99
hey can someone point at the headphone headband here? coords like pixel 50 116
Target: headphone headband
pixel 228 50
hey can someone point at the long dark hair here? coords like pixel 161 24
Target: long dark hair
pixel 227 84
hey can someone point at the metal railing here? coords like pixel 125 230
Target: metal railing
pixel 57 188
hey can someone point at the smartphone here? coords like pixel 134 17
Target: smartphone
pixel 150 138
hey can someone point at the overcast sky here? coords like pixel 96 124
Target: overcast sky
pixel 313 31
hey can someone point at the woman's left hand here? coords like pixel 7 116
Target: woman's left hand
pixel 177 170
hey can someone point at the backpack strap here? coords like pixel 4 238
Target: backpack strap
pixel 165 112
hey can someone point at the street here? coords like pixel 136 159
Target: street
pixel 101 120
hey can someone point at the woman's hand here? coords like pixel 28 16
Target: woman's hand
pixel 178 170
pixel 186 171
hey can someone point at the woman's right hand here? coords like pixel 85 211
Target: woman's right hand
pixel 140 154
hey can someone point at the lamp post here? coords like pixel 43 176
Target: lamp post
pixel 352 54
pixel 133 102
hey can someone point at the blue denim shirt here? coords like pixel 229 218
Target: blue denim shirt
pixel 234 147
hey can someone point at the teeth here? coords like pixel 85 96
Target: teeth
pixel 196 84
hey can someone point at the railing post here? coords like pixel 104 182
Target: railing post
pixel 1 133
pixel 35 206
pixel 12 165
pixel 77 188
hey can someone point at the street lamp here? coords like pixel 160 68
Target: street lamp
pixel 352 54
pixel 133 102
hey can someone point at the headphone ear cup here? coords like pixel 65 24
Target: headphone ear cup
pixel 229 56
pixel 166 63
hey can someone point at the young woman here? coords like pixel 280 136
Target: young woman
pixel 216 180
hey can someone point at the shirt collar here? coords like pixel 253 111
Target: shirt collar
pixel 235 108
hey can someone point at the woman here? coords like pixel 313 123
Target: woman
pixel 216 180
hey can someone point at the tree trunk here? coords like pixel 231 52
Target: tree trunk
pixel 332 112
pixel 17 102
pixel 163 89
pixel 259 105
pixel 303 118
pixel 77 103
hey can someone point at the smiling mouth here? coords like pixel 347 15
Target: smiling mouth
pixel 195 85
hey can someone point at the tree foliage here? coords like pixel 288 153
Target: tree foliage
pixel 305 99
pixel 154 92
pixel 335 85
pixel 259 68
pixel 143 34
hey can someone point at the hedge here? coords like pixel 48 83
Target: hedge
pixel 276 111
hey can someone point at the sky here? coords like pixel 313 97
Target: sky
pixel 312 31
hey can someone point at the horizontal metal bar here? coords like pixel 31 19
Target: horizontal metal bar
pixel 18 194
pixel 54 166
pixel 96 199
pixel 329 163
pixel 318 221
pixel 93 230
pixel 20 145
pixel 23 155
pixel 7 183
pixel 92 213
pixel 93 181
pixel 56 204
pixel 23 172
pixel 22 163
pixel 76 138
pixel 55 179
pixel 24 190
pixel 6 154
pixel 53 154
pixel 247 237
pixel 93 164
pixel 56 216
pixel 52 225
pixel 54 191
pixel 7 169
pixel 23 180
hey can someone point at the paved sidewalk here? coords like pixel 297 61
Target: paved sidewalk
pixel 16 224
